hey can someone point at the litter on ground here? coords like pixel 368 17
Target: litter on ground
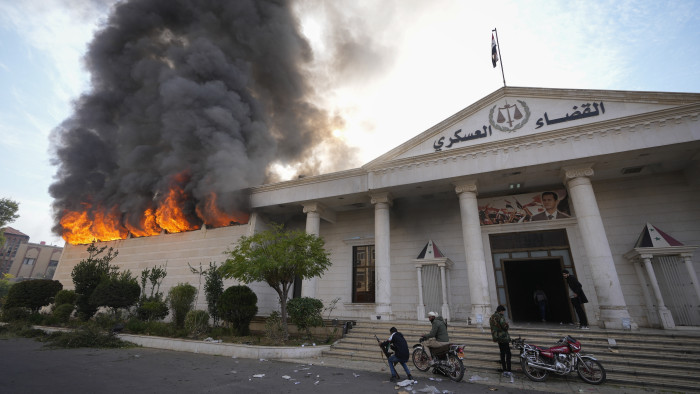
pixel 259 375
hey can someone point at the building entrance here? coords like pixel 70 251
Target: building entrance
pixel 524 260
pixel 524 277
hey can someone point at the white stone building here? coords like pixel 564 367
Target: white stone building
pixel 448 220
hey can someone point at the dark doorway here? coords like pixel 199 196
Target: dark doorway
pixel 522 278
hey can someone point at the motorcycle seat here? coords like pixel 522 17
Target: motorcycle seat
pixel 440 350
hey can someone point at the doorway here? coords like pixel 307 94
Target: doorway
pixel 522 279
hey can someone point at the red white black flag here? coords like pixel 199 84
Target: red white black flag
pixel 494 51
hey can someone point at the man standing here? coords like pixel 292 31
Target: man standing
pixel 401 354
pixel 499 333
pixel 437 336
pixel 549 202
pixel 578 298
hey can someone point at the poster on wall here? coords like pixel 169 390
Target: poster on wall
pixel 528 207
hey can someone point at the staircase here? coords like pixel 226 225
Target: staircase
pixel 649 359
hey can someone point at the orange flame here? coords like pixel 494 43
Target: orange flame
pixel 147 225
pixel 213 216
pixel 76 228
pixel 169 214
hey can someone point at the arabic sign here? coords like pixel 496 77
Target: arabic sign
pixel 509 117
pixel 522 208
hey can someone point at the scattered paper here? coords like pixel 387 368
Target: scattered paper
pixel 260 375
pixel 476 378
pixel 436 379
pixel 316 382
pixel 286 377
pixel 297 382
pixel 405 383
pixel 262 359
pixel 429 389
pixel 355 374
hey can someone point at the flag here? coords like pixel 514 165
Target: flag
pixel 494 51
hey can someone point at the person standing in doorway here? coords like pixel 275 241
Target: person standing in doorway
pixel 541 301
pixel 578 298
pixel 499 333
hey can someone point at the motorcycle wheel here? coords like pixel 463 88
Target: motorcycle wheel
pixel 421 360
pixel 534 374
pixel 590 371
pixel 456 371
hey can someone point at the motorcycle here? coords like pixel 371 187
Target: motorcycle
pixel 447 360
pixel 563 358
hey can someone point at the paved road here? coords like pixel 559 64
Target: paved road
pixel 27 367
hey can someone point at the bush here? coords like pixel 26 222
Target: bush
pixel 32 294
pixel 181 299
pixel 197 322
pixel 151 310
pixel 305 312
pixel 63 312
pixel 121 291
pixel 15 314
pixel 88 335
pixel 65 297
pixel 88 274
pixel 238 306
pixel 273 327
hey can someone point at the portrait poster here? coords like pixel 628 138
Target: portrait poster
pixel 523 208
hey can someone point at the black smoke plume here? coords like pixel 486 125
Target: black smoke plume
pixel 209 90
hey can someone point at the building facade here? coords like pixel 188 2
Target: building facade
pixel 13 240
pixel 35 261
pixel 488 205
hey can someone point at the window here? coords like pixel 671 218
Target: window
pixel 363 273
pixel 28 261
pixel 53 263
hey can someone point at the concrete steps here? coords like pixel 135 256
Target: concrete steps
pixel 652 359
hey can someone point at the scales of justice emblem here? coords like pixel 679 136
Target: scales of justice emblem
pixel 509 117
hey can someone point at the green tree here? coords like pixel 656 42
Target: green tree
pixel 5 285
pixel 116 291
pixel 8 214
pixel 213 288
pixel 88 274
pixel 305 312
pixel 181 299
pixel 32 294
pixel 277 257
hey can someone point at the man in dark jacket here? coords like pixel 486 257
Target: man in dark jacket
pixel 499 333
pixel 437 336
pixel 401 354
pixel 578 298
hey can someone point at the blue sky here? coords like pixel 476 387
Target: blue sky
pixel 426 60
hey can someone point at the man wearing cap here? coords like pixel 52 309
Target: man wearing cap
pixel 401 354
pixel 437 336
pixel 499 334
pixel 578 298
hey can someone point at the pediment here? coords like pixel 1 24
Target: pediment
pixel 513 112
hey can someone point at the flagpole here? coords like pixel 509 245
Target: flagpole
pixel 499 56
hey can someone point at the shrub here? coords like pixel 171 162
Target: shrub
pixel 119 291
pixel 181 299
pixel 213 288
pixel 305 312
pixel 273 327
pixel 63 312
pixel 32 294
pixel 65 297
pixel 151 310
pixel 238 306
pixel 197 322
pixel 88 335
pixel 15 314
pixel 88 274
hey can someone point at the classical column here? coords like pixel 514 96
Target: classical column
pixel 651 312
pixel 473 250
pixel 687 259
pixel 607 284
pixel 664 313
pixel 313 226
pixel 420 310
pixel 382 252
pixel 445 306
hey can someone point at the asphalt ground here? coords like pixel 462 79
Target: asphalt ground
pixel 26 366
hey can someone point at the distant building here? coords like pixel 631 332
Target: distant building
pixel 13 240
pixel 35 261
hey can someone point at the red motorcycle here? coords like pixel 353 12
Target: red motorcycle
pixel 538 362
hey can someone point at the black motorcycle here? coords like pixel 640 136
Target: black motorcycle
pixel 447 360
